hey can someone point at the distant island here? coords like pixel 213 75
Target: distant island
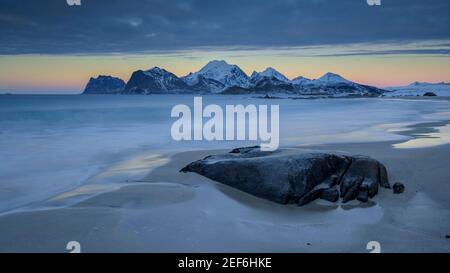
pixel 219 77
pixel 419 89
pixel 104 85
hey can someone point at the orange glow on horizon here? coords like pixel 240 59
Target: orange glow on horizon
pixel 40 72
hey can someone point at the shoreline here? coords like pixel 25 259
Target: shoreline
pixel 162 210
pixel 168 211
pixel 125 173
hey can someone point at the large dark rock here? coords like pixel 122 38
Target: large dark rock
pixel 293 176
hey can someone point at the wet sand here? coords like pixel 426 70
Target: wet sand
pixel 169 211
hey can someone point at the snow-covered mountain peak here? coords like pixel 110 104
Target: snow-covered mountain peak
pixel 227 74
pixel 272 73
pixel 218 68
pixel 155 68
pixel 268 73
pixel 216 65
pixel 157 71
pixel 332 78
pixel 301 80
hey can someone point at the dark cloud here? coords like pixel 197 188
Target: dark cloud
pixel 114 26
pixel 437 52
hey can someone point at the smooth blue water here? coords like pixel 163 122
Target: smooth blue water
pixel 49 144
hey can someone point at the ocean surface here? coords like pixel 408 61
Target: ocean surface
pixel 51 144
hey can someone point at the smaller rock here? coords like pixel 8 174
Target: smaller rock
pixel 331 195
pixel 398 188
pixel 429 94
pixel 363 196
pixel 447 236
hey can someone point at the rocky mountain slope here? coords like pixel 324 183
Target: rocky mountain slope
pixel 104 85
pixel 155 80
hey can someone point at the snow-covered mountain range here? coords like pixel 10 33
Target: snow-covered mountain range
pixel 419 89
pixel 217 75
pixel 220 77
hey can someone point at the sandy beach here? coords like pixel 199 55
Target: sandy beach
pixel 169 211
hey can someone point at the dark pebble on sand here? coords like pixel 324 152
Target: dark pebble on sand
pixel 398 188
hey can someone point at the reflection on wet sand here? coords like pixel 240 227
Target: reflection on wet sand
pixel 426 135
